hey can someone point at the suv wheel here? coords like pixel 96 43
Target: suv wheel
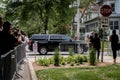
pixel 43 50
pixel 81 50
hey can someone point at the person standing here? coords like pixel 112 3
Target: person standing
pixel 91 39
pixel 97 45
pixel 7 41
pixel 1 28
pixel 114 44
pixel 88 41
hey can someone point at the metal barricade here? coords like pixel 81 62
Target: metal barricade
pixel 9 62
pixel 8 67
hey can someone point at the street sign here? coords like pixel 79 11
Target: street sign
pixel 106 10
pixel 104 22
pixel 35 48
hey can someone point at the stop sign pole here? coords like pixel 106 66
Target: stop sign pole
pixel 105 11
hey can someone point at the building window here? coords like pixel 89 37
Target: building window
pixel 111 24
pixel 114 25
pixel 87 28
pixel 113 7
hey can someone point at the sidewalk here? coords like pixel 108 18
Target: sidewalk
pixel 24 72
pixel 110 59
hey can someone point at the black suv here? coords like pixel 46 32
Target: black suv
pixel 48 42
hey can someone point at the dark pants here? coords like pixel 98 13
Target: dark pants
pixel 98 53
pixel 114 47
pixel 114 53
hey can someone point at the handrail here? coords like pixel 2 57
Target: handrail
pixel 10 61
pixel 4 55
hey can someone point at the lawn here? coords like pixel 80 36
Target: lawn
pixel 111 72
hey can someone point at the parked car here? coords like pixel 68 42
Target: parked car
pixel 48 42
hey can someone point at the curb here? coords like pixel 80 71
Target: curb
pixel 32 71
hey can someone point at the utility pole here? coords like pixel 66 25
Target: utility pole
pixel 78 21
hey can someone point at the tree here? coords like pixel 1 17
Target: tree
pixel 37 16
pixel 40 14
pixel 2 7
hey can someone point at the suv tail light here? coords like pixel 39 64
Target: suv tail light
pixel 30 42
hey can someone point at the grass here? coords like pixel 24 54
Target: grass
pixel 87 73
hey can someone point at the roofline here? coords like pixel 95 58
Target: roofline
pixel 96 18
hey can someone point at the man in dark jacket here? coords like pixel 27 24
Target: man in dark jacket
pixel 97 45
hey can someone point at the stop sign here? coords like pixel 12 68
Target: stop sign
pixel 106 10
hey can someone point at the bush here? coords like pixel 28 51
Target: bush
pixel 43 62
pixel 63 62
pixel 85 58
pixel 77 63
pixel 40 61
pixel 92 56
pixel 56 58
pixel 71 52
pixel 70 59
pixel 51 59
pixel 72 63
pixel 79 59
pixel 61 58
pixel 46 62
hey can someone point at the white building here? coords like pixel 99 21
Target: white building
pixel 93 19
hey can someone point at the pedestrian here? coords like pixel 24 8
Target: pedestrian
pixel 88 41
pixel 97 45
pixel 91 39
pixel 114 44
pixel 7 41
pixel 1 28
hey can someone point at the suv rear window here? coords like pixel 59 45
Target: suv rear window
pixel 40 37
